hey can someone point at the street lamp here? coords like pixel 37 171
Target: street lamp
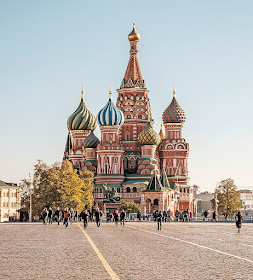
pixel 28 188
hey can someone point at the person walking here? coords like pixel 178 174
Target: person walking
pixel 108 217
pixel 214 216
pixel 116 217
pixel 98 217
pixel 66 215
pixel 58 215
pixel 76 216
pixel 50 216
pixel 159 220
pixel 44 216
pixel 84 215
pixel 139 216
pixel 71 217
pixel 122 217
pixel 238 221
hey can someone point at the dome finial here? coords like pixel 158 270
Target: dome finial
pixel 110 90
pixel 174 88
pixel 82 91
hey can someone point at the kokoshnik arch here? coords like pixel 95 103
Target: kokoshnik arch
pixel 142 165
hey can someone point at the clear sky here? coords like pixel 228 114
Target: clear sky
pixel 48 47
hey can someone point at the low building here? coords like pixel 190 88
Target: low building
pixel 246 198
pixel 9 202
pixel 204 202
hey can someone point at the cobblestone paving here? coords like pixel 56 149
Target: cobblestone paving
pixel 136 251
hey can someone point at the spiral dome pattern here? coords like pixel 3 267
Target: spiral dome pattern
pixel 174 113
pixel 82 118
pixel 91 141
pixel 110 115
pixel 148 136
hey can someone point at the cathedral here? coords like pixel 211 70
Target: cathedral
pixel 142 165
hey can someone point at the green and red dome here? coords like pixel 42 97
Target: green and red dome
pixel 148 136
pixel 91 141
pixel 174 113
pixel 82 118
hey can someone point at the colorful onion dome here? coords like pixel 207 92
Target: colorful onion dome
pixel 174 113
pixel 110 115
pixel 82 118
pixel 161 134
pixel 91 141
pixel 134 35
pixel 148 136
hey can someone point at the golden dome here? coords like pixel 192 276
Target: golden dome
pixel 134 35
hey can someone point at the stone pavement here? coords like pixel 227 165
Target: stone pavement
pixel 135 252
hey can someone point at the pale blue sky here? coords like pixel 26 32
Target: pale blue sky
pixel 48 47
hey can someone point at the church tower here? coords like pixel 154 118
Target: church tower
pixel 173 149
pixel 80 124
pixel 110 168
pixel 133 101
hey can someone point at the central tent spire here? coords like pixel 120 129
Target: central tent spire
pixel 133 76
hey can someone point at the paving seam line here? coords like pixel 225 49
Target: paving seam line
pixel 195 244
pixel 106 265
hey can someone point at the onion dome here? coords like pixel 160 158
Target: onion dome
pixel 110 115
pixel 82 118
pixel 134 35
pixel 162 136
pixel 91 141
pixel 148 136
pixel 174 113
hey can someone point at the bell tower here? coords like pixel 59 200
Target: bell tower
pixel 133 101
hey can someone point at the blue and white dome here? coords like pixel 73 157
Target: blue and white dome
pixel 110 115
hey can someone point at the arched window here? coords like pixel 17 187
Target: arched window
pixel 140 117
pixel 128 190
pixel 134 189
pixel 118 190
pixel 155 201
pixel 101 190
pixel 127 135
pixel 126 163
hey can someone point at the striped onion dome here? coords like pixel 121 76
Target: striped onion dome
pixel 148 136
pixel 174 113
pixel 82 118
pixel 91 141
pixel 110 115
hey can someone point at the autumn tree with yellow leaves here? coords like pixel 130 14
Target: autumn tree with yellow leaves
pixel 227 198
pixel 61 185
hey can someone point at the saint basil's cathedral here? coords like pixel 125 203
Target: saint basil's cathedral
pixel 131 157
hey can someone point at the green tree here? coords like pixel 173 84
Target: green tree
pixel 129 206
pixel 228 198
pixel 60 185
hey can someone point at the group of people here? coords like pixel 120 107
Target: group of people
pixel 66 216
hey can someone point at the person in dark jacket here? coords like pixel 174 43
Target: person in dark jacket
pixel 238 221
pixel 214 216
pixel 122 217
pixel 116 217
pixel 50 216
pixel 98 217
pixel 58 215
pixel 44 215
pixel 84 215
pixel 159 220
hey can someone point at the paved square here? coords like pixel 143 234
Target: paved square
pixel 136 251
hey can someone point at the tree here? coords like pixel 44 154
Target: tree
pixel 129 206
pixel 60 185
pixel 228 198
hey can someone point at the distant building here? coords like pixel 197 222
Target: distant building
pixel 9 201
pixel 246 198
pixel 204 201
